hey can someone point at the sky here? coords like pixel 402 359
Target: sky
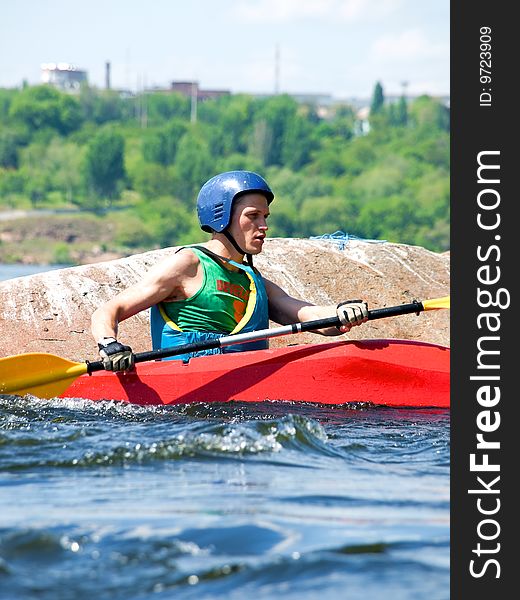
pixel 334 47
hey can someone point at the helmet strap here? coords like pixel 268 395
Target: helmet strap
pixel 237 247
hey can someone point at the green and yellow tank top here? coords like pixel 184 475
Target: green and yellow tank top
pixel 218 305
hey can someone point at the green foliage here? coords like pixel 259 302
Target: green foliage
pixel 329 160
pixel 387 179
pixel 44 107
pixel 194 164
pixel 161 146
pixel 234 116
pixel 297 187
pixel 11 140
pixel 103 106
pixel 384 179
pixel 298 143
pixel 152 180
pixel 329 214
pixel 62 254
pixel 401 113
pixel 238 162
pixel 359 156
pixel 285 218
pixel 163 221
pixel 53 166
pixel 395 219
pixel 12 186
pixel 272 124
pixel 378 100
pixel 161 108
pixel 104 162
pixel 427 113
pixel 6 97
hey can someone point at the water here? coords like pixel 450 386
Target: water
pixel 15 270
pixel 110 501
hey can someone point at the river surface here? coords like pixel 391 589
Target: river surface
pixel 101 500
pixel 12 271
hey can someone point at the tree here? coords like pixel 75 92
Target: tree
pixel 319 216
pixel 260 142
pixel 161 147
pixel 6 97
pixel 428 112
pixel 323 173
pixel 12 183
pixel 402 112
pixel 271 124
pixel 52 166
pixel 158 222
pixel 285 218
pixel 378 100
pixel 161 107
pixel 238 162
pixel 194 165
pixel 298 143
pixel 63 161
pixel 151 180
pixel 101 106
pixel 9 144
pixel 104 163
pixel 42 106
pixel 232 116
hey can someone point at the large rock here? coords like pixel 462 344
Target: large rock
pixel 50 311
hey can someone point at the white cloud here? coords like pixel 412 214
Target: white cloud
pixel 411 44
pixel 278 11
pixel 284 11
pixel 363 10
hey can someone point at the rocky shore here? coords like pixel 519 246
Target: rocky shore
pixel 50 311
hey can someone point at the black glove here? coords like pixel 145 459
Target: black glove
pixel 116 356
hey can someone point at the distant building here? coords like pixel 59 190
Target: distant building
pixel 208 94
pixel 191 89
pixel 64 76
pixel 319 100
pixel 186 88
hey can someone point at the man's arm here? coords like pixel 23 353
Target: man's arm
pixel 166 280
pixel 285 309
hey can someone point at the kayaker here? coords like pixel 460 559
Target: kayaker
pixel 207 290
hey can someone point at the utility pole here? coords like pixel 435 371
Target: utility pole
pixel 144 112
pixel 404 85
pixel 142 108
pixel 277 69
pixel 194 93
pixel 107 75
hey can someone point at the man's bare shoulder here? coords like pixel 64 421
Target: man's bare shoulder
pixel 182 263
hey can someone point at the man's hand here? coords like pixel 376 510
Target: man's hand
pixel 351 313
pixel 115 356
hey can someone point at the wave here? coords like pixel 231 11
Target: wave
pixel 79 433
pixel 237 561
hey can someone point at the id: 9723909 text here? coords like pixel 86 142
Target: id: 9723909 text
pixel 485 66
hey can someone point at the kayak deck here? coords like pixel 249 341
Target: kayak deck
pixel 398 373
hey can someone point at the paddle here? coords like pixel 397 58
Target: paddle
pixel 47 375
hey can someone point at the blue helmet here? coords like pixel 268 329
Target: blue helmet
pixel 215 199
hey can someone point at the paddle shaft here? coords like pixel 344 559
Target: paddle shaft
pixel 262 334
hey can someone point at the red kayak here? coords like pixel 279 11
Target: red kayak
pixel 397 373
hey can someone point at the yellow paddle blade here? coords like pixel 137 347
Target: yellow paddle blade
pixel 436 303
pixel 39 374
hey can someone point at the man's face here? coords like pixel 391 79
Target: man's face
pixel 249 222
